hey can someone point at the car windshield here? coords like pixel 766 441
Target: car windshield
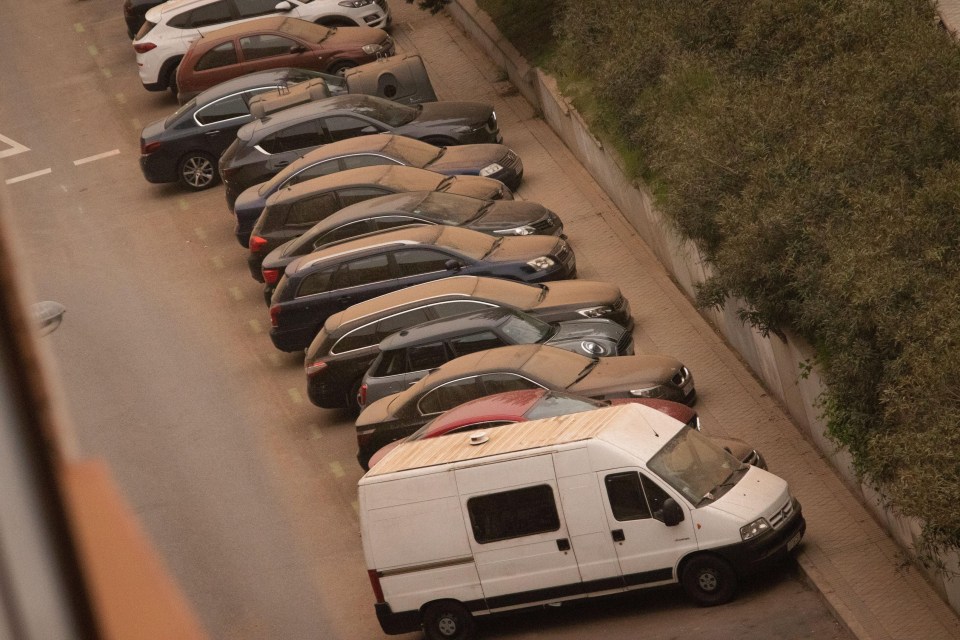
pixel 450 207
pixel 472 244
pixel 176 115
pixel 697 467
pixel 308 31
pixel 412 152
pixel 560 404
pixel 525 329
pixel 563 368
pixel 385 111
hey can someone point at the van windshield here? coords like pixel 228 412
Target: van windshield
pixel 697 467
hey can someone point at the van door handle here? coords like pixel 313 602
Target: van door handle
pixel 563 544
pixel 618 535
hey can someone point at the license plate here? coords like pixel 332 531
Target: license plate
pixel 794 541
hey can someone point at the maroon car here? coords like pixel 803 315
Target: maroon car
pixel 268 43
pixel 533 404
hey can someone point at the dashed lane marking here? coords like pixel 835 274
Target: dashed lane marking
pixel 217 262
pixel 122 99
pixel 15 147
pixel 137 125
pixel 255 326
pixel 99 156
pixel 183 204
pixel 236 293
pixel 28 176
pixel 78 27
pixel 315 431
pixel 337 469
pixel 92 50
pixel 295 396
pixel 106 72
pixel 201 233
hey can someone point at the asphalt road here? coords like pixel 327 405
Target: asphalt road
pixel 247 490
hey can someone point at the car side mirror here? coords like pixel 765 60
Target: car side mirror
pixel 672 513
pixel 297 48
pixel 370 129
pixel 47 316
pixel 453 265
pixel 283 6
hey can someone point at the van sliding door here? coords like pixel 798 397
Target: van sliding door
pixel 518 534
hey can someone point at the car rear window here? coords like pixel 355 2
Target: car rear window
pixel 145 29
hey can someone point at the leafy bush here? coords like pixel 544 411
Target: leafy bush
pixel 812 151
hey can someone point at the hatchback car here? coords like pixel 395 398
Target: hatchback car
pixel 511 369
pixel 319 284
pixel 343 350
pixel 310 201
pixel 535 404
pixel 264 147
pixel 170 28
pixel 277 42
pixel 184 147
pixel 410 354
pixel 498 217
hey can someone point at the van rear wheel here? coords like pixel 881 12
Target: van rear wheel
pixel 709 580
pixel 448 620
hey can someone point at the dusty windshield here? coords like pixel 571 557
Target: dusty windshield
pixel 697 467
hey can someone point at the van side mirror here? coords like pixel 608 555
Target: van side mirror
pixel 453 265
pixel 672 513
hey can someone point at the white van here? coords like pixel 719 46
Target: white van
pixel 581 505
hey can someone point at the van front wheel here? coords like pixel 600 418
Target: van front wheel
pixel 448 620
pixel 709 580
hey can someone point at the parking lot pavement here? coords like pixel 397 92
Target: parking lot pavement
pixel 847 556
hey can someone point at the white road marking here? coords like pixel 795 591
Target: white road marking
pixel 99 156
pixel 15 147
pixel 295 396
pixel 27 176
pixel 236 293
pixel 337 469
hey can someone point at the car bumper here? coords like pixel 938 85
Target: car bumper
pixel 158 169
pixel 396 623
pixel 753 555
pixel 325 394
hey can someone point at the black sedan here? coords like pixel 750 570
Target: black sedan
pixel 264 147
pixel 319 284
pixel 273 249
pixel 185 146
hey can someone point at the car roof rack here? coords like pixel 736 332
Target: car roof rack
pixel 270 102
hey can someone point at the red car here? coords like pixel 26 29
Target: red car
pixel 533 404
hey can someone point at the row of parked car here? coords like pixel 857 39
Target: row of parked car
pixel 428 301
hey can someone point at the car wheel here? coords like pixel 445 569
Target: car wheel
pixel 352 405
pixel 172 80
pixel 197 171
pixel 340 68
pixel 448 620
pixel 709 580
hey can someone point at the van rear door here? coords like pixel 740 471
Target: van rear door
pixel 648 550
pixel 518 533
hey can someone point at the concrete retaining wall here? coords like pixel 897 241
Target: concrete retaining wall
pixel 777 362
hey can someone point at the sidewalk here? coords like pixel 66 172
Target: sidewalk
pixel 846 555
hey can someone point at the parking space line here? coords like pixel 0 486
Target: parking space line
pixel 236 293
pixel 28 176
pixel 337 469
pixel 78 27
pixel 92 50
pixel 137 125
pixel 315 431
pixel 106 72
pixel 217 262
pixel 183 204
pixel 15 147
pixel 255 326
pixel 201 233
pixel 99 156
pixel 122 99
pixel 295 396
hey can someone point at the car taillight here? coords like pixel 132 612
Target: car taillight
pixel 375 583
pixel 270 276
pixel 257 244
pixel 275 315
pixel 128 8
pixel 362 395
pixel 143 47
pixel 149 147
pixel 315 367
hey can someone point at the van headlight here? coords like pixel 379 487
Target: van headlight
pixel 646 392
pixel 541 263
pixel 754 529
pixel 371 49
pixel 525 230
pixel 595 312
pixel 490 169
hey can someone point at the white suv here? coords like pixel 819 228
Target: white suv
pixel 171 27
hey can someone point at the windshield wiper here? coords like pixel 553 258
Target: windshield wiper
pixel 330 32
pixel 479 213
pixel 725 484
pixel 496 245
pixel 444 184
pixel 586 370
pixel 443 150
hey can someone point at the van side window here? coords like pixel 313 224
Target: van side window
pixel 513 514
pixel 627 500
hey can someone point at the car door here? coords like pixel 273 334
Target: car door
pixel 343 232
pixel 360 279
pixel 219 121
pixel 262 51
pixel 448 395
pixel 215 66
pixel 647 550
pixel 288 144
pixel 518 532
pixel 421 265
pixel 300 216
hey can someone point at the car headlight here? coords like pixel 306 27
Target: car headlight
pixel 525 230
pixel 754 529
pixel 593 348
pixel 370 49
pixel 646 392
pixel 541 263
pixel 490 169
pixel 595 312
pixel 355 4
